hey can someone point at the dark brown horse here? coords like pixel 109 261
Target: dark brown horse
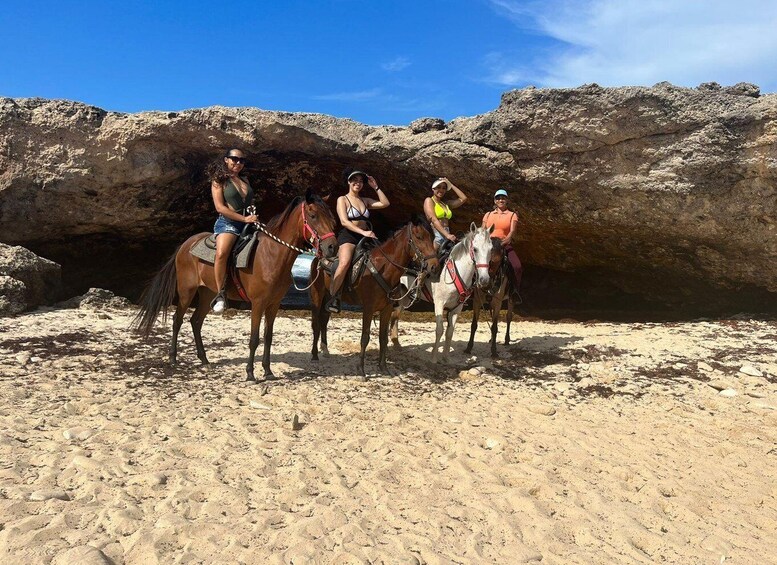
pixel 492 298
pixel 413 242
pixel 305 221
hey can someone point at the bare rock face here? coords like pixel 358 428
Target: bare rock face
pixel 629 198
pixel 26 280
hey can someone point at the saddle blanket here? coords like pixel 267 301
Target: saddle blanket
pixel 205 249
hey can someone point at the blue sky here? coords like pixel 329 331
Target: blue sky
pixel 375 61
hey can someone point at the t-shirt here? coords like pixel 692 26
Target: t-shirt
pixel 501 222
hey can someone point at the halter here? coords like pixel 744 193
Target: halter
pixel 418 255
pixel 315 239
pixel 464 290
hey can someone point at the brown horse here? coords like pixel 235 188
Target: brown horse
pixel 264 281
pixel 390 260
pixel 492 297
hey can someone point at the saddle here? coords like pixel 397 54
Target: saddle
pixel 361 256
pixel 205 249
pixel 443 252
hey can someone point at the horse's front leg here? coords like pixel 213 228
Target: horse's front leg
pixel 366 319
pixel 257 310
pixel 385 319
pixel 452 316
pixel 269 322
pixel 509 318
pixel 396 312
pixel 438 316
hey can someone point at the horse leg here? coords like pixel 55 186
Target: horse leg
pixel 366 320
pixel 185 296
pixel 269 321
pixel 496 308
pixel 452 316
pixel 203 307
pixel 438 316
pixel 476 305
pixel 509 318
pixel 324 320
pixel 385 319
pixel 396 312
pixel 257 309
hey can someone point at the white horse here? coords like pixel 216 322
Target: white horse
pixel 466 267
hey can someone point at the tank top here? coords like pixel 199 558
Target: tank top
pixel 354 214
pixel 235 199
pixel 501 222
pixel 442 211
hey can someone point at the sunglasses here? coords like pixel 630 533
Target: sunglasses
pixel 236 159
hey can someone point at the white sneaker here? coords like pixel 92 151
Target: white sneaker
pixel 219 305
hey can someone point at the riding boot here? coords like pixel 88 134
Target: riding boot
pixel 333 305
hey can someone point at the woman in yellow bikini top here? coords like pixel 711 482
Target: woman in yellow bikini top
pixel 439 213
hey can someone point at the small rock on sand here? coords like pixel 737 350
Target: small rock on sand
pixel 83 555
pixel 750 370
pixel 702 366
pixel 78 433
pixel 40 495
pixel 728 392
pixel 718 384
pixel 544 409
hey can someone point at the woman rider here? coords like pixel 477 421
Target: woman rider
pixel 505 224
pixel 354 213
pixel 232 194
pixel 439 213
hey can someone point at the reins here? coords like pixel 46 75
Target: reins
pixel 314 241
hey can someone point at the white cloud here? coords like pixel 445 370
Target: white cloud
pixel 641 42
pixel 356 96
pixel 396 64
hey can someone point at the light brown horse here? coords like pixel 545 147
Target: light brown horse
pixel 305 221
pixel 492 298
pixel 391 259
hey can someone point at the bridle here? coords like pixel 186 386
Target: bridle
pixel 315 239
pixel 472 256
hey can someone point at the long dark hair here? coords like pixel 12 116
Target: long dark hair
pixel 217 169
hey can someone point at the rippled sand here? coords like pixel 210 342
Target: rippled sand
pixel 584 443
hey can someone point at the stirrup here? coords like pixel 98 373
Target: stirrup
pixel 333 305
pixel 219 303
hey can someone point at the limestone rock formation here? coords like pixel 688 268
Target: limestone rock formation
pixel 26 280
pixel 630 197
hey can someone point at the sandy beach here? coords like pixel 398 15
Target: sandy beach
pixel 583 443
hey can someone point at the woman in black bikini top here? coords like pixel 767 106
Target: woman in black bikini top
pixel 355 227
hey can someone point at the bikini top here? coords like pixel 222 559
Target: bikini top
pixel 235 199
pixel 354 214
pixel 442 211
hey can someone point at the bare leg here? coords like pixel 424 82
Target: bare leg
pixel 224 243
pixel 344 254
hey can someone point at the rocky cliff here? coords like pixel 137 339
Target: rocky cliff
pixel 629 198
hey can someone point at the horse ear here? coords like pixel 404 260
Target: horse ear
pixel 491 229
pixel 309 195
pixel 473 227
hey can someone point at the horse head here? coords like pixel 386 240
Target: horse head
pixel 497 255
pixel 319 225
pixel 480 252
pixel 422 244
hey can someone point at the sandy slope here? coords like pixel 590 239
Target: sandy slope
pixel 584 443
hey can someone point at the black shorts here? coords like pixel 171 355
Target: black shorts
pixel 347 236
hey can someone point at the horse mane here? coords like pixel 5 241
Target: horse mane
pixel 417 220
pixel 277 221
pixel 460 249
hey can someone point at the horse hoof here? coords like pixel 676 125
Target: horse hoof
pixel 270 377
pixel 250 378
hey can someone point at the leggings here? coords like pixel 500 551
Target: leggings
pixel 515 263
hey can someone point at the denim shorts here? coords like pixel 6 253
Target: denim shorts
pixel 225 225
pixel 439 238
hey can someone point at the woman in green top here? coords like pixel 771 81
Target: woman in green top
pixel 232 195
pixel 439 212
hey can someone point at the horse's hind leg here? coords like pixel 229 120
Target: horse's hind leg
pixel 509 317
pixel 185 296
pixel 203 307
pixel 496 308
pixel 269 322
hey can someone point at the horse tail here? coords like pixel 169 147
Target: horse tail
pixel 157 296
